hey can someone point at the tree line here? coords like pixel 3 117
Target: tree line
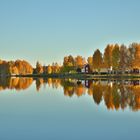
pixel 115 57
pixel 18 67
pixel 118 58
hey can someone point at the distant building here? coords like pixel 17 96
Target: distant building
pixel 87 69
pixel 104 70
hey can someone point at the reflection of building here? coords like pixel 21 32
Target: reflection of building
pixel 135 82
pixel 88 83
pixel 136 71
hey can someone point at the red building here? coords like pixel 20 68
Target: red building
pixel 87 69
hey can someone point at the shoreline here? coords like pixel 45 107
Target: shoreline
pixel 81 76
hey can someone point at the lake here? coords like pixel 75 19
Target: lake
pixel 69 109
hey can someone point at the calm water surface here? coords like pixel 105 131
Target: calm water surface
pixel 69 109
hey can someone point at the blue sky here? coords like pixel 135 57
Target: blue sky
pixel 47 30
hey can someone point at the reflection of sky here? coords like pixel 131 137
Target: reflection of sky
pixel 39 29
pixel 49 114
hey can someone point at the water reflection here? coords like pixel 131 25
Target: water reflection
pixel 115 94
pixel 15 83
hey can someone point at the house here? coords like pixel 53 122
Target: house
pixel 87 69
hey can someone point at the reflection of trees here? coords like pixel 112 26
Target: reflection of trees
pixel 56 83
pixel 24 83
pixel 135 97
pixel 4 83
pixel 71 86
pixel 68 87
pixel 115 95
pixel 15 83
pixel 108 97
pixel 121 96
pixel 137 102
pixel 49 81
pixel 97 92
pixel 39 82
pixel 79 89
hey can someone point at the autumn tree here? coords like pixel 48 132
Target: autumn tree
pixel 136 55
pixel 1 61
pixel 39 68
pixel 23 67
pixel 107 58
pixel 44 69
pixel 124 58
pixel 55 68
pixel 68 64
pixel 79 61
pixel 97 60
pixel 49 69
pixel 116 57
pixel 4 68
pixel 90 62
pixel 68 61
pixel 14 70
pixel 131 54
